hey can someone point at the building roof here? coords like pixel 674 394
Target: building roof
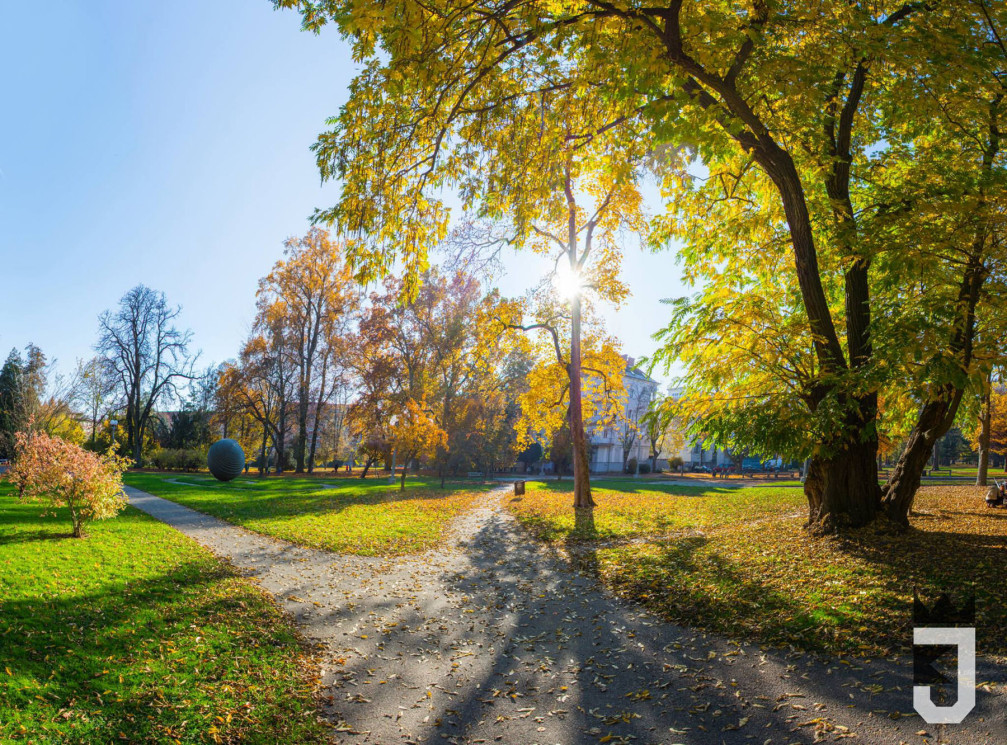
pixel 632 371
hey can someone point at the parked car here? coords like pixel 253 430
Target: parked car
pixel 701 469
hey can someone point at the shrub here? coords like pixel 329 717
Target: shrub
pixel 192 459
pixel 171 459
pixel 645 468
pixel 631 465
pixel 58 473
pixel 675 462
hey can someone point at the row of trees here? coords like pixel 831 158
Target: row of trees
pixel 438 378
pixel 458 377
pixel 846 235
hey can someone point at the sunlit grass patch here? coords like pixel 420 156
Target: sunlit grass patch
pixel 137 634
pixel 364 517
pixel 628 509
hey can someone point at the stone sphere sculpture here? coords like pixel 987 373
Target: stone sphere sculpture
pixel 225 459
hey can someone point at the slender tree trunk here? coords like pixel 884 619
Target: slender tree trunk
pixel 263 464
pixel 582 478
pixel 984 435
pixel 300 443
pixel 314 445
pixel 934 420
pixel 279 439
pixel 367 466
pixel 138 446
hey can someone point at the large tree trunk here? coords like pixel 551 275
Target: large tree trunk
pixel 984 436
pixel 842 490
pixel 281 452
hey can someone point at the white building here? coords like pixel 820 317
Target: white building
pixel 608 448
pixel 693 454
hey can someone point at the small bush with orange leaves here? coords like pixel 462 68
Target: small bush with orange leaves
pixel 59 474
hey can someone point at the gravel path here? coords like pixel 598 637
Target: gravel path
pixel 492 638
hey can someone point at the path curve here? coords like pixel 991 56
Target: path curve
pixel 492 638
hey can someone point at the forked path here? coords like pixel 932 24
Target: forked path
pixel 491 638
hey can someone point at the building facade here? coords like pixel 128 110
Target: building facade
pixel 625 439
pixel 693 454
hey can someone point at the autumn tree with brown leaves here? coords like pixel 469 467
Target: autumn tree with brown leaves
pixel 311 297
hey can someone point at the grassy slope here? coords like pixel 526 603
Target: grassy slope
pixel 370 518
pixel 746 568
pixel 137 634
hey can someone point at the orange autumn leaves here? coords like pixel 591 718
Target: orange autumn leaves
pixel 57 473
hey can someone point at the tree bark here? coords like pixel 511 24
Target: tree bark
pixel 263 463
pixel 301 441
pixel 842 490
pixel 581 477
pixel 984 435
pixel 905 477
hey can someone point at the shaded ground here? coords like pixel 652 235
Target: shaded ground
pixel 494 639
pixel 738 562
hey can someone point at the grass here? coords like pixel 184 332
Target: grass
pixel 628 509
pixel 137 634
pixel 744 567
pixel 365 517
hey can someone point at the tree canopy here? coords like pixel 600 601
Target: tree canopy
pixel 842 232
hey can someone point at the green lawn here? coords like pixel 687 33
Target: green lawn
pixel 628 509
pixel 136 634
pixel 741 564
pixel 366 517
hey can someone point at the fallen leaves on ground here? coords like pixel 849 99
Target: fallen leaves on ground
pixel 761 576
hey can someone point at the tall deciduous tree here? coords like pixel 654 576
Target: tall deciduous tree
pixel 311 293
pixel 786 107
pixel 549 410
pixel 662 428
pixel 95 392
pixel 148 355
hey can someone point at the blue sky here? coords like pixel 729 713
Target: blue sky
pixel 167 143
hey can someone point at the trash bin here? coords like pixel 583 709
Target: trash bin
pixel 518 488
